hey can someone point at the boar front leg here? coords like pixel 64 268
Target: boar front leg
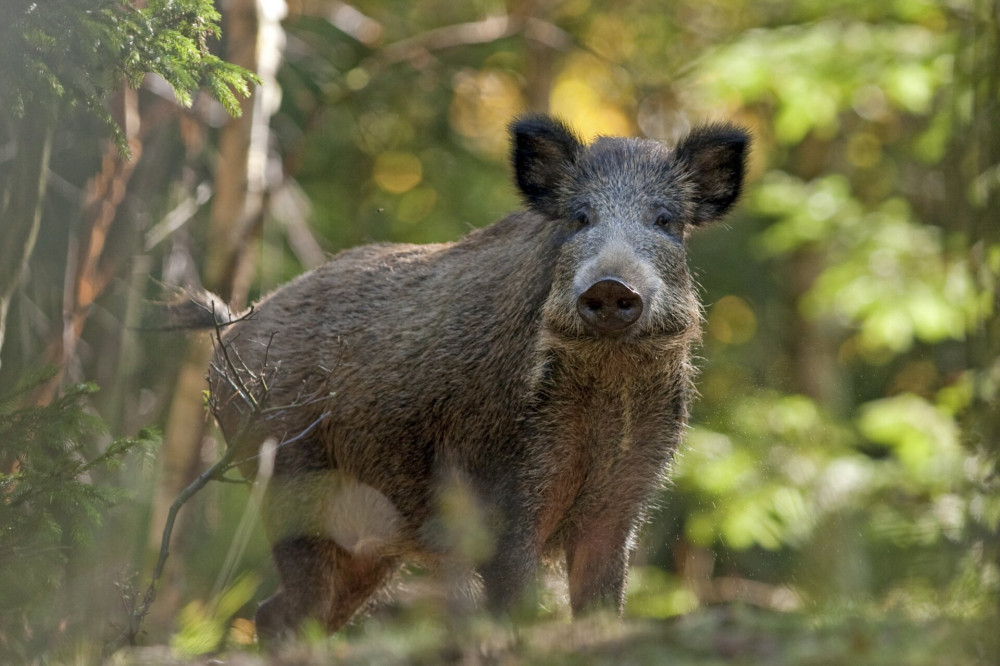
pixel 511 569
pixel 597 563
pixel 509 572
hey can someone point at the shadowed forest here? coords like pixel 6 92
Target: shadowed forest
pixel 837 498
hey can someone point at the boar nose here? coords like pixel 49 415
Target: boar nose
pixel 609 306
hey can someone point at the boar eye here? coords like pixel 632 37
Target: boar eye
pixel 670 224
pixel 581 219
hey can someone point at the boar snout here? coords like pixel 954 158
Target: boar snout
pixel 609 306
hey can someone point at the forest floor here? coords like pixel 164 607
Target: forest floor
pixel 715 635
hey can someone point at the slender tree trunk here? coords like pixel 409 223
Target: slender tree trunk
pixel 812 345
pixel 978 200
pixel 254 41
pixel 540 69
pixel 21 210
pixel 89 269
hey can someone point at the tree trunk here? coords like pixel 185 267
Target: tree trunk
pixel 977 156
pixel 89 269
pixel 21 210
pixel 812 345
pixel 255 40
pixel 540 69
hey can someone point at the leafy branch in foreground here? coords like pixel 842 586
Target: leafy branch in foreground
pixel 50 503
pixel 75 51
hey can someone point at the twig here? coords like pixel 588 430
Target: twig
pixel 240 378
pixel 286 442
pixel 140 612
pixel 267 453
pixel 214 473
pixel 243 390
pixel 232 384
pixel 221 466
pixel 484 31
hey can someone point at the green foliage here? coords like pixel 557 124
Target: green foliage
pixel 854 472
pixel 793 471
pixel 204 628
pixel 51 502
pixel 710 636
pixel 810 73
pixel 75 51
pixel 888 275
pixel 655 593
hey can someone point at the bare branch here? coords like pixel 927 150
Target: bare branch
pixel 252 387
pixel 267 349
pixel 346 18
pixel 242 389
pixel 489 29
pixel 178 217
pixel 285 442
pixel 140 611
pixel 319 397
pixel 290 206
pixel 237 390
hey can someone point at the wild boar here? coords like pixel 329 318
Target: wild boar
pixel 538 372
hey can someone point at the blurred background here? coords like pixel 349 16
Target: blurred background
pixel 842 455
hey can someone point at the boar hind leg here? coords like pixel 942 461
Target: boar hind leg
pixel 321 582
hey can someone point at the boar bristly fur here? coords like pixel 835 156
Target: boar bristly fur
pixel 536 373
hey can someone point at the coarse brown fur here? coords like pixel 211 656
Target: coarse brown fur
pixel 398 380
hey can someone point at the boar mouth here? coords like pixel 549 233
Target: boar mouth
pixel 659 331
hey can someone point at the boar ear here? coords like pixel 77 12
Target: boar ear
pixel 714 158
pixel 542 150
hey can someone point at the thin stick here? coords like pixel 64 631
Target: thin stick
pixel 140 612
pixel 216 471
pixel 232 373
